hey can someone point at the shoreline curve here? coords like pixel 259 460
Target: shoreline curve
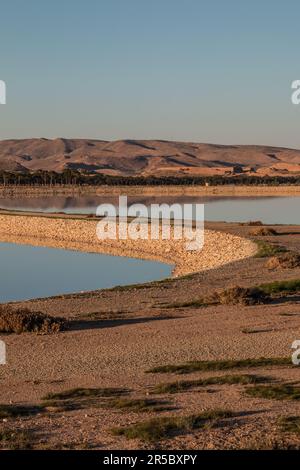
pixel 79 234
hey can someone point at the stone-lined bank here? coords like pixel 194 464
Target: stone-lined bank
pixel 80 234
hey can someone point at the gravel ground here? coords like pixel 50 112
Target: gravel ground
pixel 116 335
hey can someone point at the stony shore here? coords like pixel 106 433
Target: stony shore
pixel 79 233
pixel 178 190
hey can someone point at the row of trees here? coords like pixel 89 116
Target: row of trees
pixel 76 178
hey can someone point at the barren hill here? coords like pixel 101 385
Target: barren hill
pixel 146 157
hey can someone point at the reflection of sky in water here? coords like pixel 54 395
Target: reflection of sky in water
pixel 281 210
pixel 29 272
pixel 271 210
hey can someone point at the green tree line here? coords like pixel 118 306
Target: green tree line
pixel 77 178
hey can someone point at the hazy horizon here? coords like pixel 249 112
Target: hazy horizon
pixel 153 139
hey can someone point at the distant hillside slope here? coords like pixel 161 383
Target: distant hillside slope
pixel 146 157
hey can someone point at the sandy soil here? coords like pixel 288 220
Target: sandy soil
pixel 116 335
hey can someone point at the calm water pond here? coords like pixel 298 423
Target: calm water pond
pixel 271 210
pixel 29 272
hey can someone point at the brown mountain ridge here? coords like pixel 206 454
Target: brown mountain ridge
pixel 146 157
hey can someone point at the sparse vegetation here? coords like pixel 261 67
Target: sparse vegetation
pixel 163 283
pixel 252 223
pixel 275 392
pixel 24 320
pixel 266 249
pixel 16 440
pixel 288 260
pixel 162 428
pixel 290 286
pixel 80 398
pixel 12 411
pixel 243 295
pixel 269 442
pixel 84 398
pixel 197 303
pixel 139 405
pixel 231 296
pixel 86 392
pixel 290 424
pixel 184 385
pixel 195 366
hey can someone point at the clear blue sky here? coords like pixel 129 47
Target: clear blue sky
pixel 208 71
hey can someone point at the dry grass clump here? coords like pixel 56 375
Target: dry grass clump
pixel 241 295
pixel 139 405
pixel 111 398
pixel 231 296
pixel 80 398
pixel 11 439
pixel 290 424
pixel 134 405
pixel 22 320
pixel 277 288
pixel 275 392
pixel 270 442
pixel 263 232
pixel 252 223
pixel 13 411
pixel 257 295
pixel 86 392
pixel 288 260
pixel 195 366
pixel 266 250
pixel 165 427
pixel 237 295
pixel 184 385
